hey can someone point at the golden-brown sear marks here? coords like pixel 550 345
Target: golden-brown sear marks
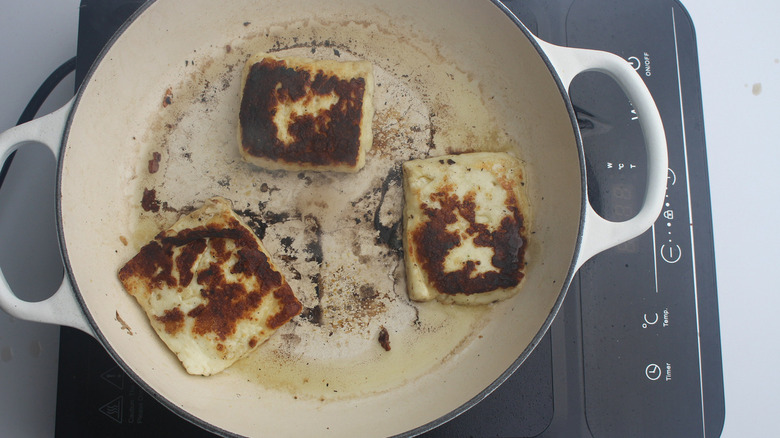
pixel 227 302
pixel 173 319
pixel 433 242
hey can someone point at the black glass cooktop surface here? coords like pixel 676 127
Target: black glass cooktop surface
pixel 635 350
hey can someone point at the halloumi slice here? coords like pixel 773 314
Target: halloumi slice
pixel 303 114
pixel 464 227
pixel 209 288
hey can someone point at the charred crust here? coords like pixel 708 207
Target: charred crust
pixel 226 302
pixel 432 242
pixel 332 136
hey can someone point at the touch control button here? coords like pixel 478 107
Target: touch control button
pixel 653 372
pixel 671 253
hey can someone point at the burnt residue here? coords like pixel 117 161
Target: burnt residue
pixel 275 218
pixel 265 188
pixel 123 325
pixel 316 280
pixel 307 180
pixel 154 163
pixel 367 293
pixel 390 234
pixel 225 181
pixel 169 209
pixel 312 314
pixel 259 222
pixel 254 221
pixel 149 201
pixel 167 98
pixel 314 247
pixel 431 143
pixel 384 338
pixel 296 275
pixel 291 339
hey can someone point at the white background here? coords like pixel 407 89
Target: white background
pixel 739 55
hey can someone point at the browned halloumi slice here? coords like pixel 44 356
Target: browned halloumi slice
pixel 209 288
pixel 303 114
pixel 464 227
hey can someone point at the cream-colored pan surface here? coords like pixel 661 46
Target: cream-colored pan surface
pixel 451 76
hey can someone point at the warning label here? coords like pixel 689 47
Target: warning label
pixel 113 409
pixel 115 377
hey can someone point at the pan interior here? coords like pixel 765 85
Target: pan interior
pixel 451 77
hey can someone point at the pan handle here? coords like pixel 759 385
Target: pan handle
pixel 598 233
pixel 63 307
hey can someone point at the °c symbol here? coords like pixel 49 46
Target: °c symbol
pixel 648 322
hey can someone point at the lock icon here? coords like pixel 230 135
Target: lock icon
pixel 669 214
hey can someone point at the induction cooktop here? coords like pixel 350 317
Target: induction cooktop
pixel 635 349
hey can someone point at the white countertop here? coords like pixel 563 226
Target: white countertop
pixel 739 54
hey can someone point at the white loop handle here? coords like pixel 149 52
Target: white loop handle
pixel 63 307
pixel 600 234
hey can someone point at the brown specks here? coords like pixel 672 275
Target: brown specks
pixel 384 338
pixel 122 324
pixel 154 163
pixel 313 315
pixel 265 188
pixel 228 48
pixel 167 98
pixel 149 201
pixel 123 239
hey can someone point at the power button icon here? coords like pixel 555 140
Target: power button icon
pixel 671 253
pixel 653 372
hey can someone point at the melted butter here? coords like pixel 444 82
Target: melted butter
pixel 337 370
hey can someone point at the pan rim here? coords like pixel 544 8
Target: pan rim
pixel 186 415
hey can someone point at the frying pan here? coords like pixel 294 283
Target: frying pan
pixel 151 134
